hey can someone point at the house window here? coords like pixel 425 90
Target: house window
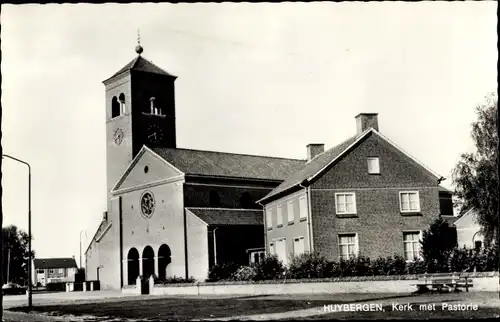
pixel 280 216
pixel 348 246
pixel 409 201
pixel 298 246
pixel 411 242
pixel 40 271
pixel 289 211
pixel 271 249
pixel 281 250
pixel 478 244
pixel 302 208
pixel 345 203
pixel 256 257
pixel 51 271
pixel 373 165
pixel 269 218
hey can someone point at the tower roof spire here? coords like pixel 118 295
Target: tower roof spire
pixel 138 48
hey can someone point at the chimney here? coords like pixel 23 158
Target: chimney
pixel 364 121
pixel 313 149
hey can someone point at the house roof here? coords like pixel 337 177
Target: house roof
pixel 443 189
pixel 141 64
pixel 41 263
pixel 312 167
pixel 228 217
pixel 318 164
pixel 222 164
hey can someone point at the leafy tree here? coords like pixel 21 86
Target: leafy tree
pixel 15 242
pixel 437 244
pixel 476 174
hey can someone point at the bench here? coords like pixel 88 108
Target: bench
pixel 443 282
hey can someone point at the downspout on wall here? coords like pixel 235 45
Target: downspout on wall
pixel 309 216
pixel 265 227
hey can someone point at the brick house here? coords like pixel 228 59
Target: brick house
pixel 365 196
pixel 48 270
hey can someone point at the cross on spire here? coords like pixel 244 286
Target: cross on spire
pixel 139 48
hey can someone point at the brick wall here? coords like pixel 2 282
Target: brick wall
pixel 379 223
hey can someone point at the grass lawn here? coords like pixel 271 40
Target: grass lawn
pixel 186 308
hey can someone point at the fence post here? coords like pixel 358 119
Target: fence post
pixel 84 286
pixel 67 287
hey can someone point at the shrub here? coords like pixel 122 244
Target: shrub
pixel 418 266
pixel 174 280
pixel 270 267
pixel 308 265
pixel 381 266
pixel 222 272
pixel 56 287
pixel 244 273
pixel 461 260
pixel 437 244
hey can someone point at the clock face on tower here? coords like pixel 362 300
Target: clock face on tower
pixel 118 136
pixel 154 134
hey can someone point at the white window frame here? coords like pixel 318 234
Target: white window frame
pixel 279 215
pixel 337 195
pixel 419 255
pixel 269 218
pixel 272 248
pixel 409 209
pixel 298 239
pixel 51 271
pixel 286 254
pixel 303 210
pixel 356 243
pixel 378 165
pixel 290 213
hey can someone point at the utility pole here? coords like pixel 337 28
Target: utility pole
pixel 8 266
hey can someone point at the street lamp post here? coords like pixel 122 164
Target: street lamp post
pixel 30 295
pixel 82 231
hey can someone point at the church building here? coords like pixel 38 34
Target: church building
pixel 172 211
pixel 177 212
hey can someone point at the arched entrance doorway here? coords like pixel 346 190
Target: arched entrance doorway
pixel 163 260
pixel 132 266
pixel 148 262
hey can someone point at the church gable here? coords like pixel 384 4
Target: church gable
pixel 146 168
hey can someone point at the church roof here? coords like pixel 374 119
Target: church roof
pixel 143 65
pixel 222 164
pixel 228 217
pixel 41 263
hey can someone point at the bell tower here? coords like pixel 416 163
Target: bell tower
pixel 140 110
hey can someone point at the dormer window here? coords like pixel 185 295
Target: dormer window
pixel 154 110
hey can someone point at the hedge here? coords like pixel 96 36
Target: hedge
pixel 315 266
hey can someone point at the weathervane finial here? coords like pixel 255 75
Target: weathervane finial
pixel 139 48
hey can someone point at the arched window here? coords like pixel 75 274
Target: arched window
pixel 214 199
pixel 246 201
pixel 121 99
pixel 115 107
pixel 152 105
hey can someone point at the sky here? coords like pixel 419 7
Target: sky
pixel 263 79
